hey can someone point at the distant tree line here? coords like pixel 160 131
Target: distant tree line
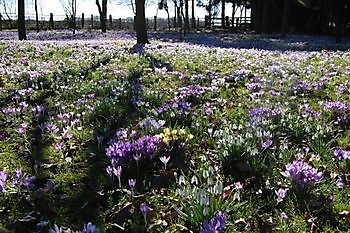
pixel 307 16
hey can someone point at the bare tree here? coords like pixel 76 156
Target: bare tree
pixel 140 23
pixel 212 8
pixel 36 15
pixel 21 21
pixel 102 9
pixel 7 7
pixel 285 19
pixel 70 9
pixel 163 5
pixel 193 19
pixel 187 17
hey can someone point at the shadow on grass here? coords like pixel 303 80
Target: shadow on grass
pixel 271 42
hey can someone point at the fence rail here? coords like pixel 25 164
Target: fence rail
pixel 9 21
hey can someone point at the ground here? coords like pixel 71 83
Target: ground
pixel 220 132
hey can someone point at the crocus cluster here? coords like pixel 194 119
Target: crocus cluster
pixel 173 135
pixel 301 173
pixel 259 115
pixel 179 106
pixel 215 225
pixel 123 150
pixel 341 154
pixel 336 105
pixel 151 124
pixel 88 228
pixel 20 179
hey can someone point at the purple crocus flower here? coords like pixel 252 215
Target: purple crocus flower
pixel 330 198
pixel 109 170
pixel 215 225
pixel 3 179
pixel 90 228
pixel 144 209
pixel 22 129
pixel 18 177
pixel 337 105
pixel 55 229
pixel 164 160
pixel 117 171
pixel 281 194
pixel 284 217
pixel 28 181
pixel 132 183
pixel 99 139
pixel 50 185
pixel 266 144
pixel 339 182
pixel 302 173
pixel 341 154
pixel 114 171
pixel 58 146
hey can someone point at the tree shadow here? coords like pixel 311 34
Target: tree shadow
pixel 270 42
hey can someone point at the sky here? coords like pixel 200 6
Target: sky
pixel 115 8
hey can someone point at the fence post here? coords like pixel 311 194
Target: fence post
pixel 0 22
pixel 111 21
pixel 120 23
pixel 147 25
pixel 51 24
pixel 155 23
pixel 82 21
pixel 227 22
pixel 197 23
pixel 206 21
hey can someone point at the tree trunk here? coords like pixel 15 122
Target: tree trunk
pixel 36 15
pixel 74 14
pixel 102 10
pixel 337 8
pixel 223 24
pixel 265 21
pixel 175 14
pixel 233 15
pixel 193 18
pixel 285 18
pixel 21 21
pixel 141 30
pixel 187 17
pixel 104 16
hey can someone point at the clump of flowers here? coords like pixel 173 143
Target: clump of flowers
pixel 129 145
pixel 19 180
pixel 88 228
pixel 341 154
pixel 169 136
pixel 301 173
pixel 151 124
pixel 215 225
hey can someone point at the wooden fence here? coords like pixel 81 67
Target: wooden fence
pixel 83 21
